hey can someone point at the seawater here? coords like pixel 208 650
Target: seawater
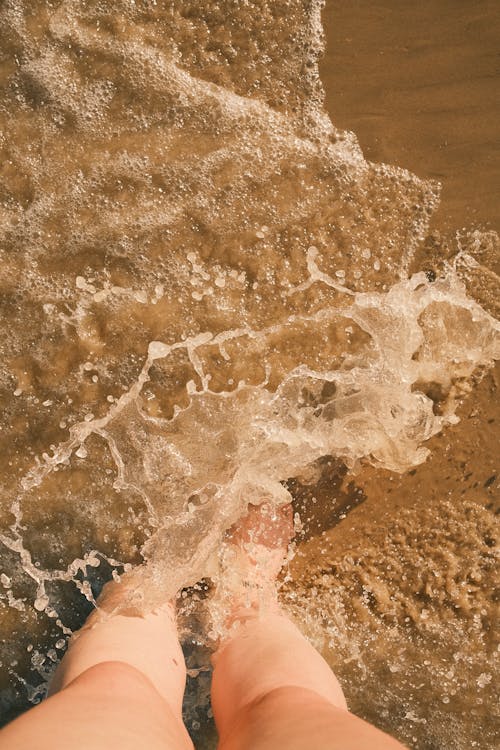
pixel 206 291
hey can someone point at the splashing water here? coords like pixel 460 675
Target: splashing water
pixel 205 291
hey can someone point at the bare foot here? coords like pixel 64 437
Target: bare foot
pixel 252 556
pixel 264 535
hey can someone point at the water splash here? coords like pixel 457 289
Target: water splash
pixel 207 289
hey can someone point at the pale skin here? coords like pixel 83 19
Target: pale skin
pixel 120 684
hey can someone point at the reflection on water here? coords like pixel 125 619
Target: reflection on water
pixel 207 290
pixel 418 84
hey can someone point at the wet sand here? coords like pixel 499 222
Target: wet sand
pixel 397 591
pixel 419 85
pixel 405 588
pixel 405 580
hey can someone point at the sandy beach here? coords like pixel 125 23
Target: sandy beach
pixel 406 578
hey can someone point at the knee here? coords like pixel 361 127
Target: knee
pixel 296 717
pixel 115 678
pixel 291 717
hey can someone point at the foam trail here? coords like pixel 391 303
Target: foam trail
pixel 206 290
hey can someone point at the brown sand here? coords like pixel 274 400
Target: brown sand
pixel 405 583
pixel 398 594
pixel 418 83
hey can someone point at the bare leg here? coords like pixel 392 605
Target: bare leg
pixel 271 688
pixel 119 686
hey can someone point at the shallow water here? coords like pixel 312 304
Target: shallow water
pixel 418 84
pixel 209 296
